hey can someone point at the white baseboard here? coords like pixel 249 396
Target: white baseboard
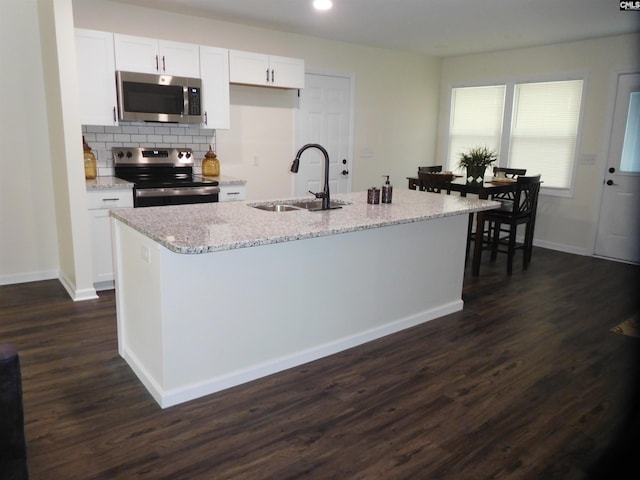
pixel 560 247
pixel 76 294
pixel 27 277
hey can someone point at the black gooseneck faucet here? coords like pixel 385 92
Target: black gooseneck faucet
pixel 326 200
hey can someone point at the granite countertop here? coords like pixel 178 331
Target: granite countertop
pixel 211 227
pixel 107 182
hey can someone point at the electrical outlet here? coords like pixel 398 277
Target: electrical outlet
pixel 145 254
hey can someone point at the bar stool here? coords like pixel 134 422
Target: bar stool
pixel 521 211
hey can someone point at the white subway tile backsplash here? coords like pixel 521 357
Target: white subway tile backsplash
pixel 102 139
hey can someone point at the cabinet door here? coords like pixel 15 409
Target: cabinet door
pixel 101 253
pixel 248 68
pixel 99 204
pixel 286 72
pixel 232 193
pixel 214 72
pixel 96 77
pixel 136 54
pixel 180 59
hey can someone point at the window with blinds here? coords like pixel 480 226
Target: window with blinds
pixel 530 125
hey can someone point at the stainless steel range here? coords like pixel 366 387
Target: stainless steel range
pixel 163 176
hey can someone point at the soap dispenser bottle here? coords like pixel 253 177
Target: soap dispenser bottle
pixel 387 191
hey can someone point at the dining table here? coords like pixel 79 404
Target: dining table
pixel 485 190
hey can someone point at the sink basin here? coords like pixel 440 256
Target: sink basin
pixel 316 204
pixel 278 207
pixel 299 205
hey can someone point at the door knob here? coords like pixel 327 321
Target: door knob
pixel 610 182
pixel 344 161
pixel 345 172
pixel 612 170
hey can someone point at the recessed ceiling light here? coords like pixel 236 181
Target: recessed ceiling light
pixel 322 4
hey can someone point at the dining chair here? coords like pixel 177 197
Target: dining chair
pixel 431 169
pixel 505 198
pixel 435 182
pixel 509 172
pixel 521 211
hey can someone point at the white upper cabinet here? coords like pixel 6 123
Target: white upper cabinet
pixel 150 55
pixel 266 70
pixel 214 72
pixel 96 77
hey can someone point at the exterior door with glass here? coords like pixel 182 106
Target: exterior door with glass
pixel 618 234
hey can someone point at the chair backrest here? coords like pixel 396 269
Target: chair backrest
pixel 510 172
pixel 434 168
pixel 526 196
pixel 435 182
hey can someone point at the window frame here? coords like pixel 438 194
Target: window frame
pixel 505 138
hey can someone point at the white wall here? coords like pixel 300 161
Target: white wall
pixel 65 141
pixel 567 224
pixel 28 233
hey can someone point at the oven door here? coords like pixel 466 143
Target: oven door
pixel 153 197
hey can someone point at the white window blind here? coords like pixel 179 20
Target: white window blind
pixel 544 130
pixel 540 131
pixel 476 120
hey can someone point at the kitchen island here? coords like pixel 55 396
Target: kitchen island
pixel 210 296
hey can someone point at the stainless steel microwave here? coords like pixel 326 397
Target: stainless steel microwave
pixel 158 98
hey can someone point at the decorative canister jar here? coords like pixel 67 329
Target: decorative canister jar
pixel 210 164
pixel 90 164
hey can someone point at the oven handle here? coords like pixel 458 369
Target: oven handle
pixel 176 192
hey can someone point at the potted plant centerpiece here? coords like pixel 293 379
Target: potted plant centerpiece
pixel 476 160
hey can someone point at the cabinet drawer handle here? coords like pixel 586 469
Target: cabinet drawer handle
pixel 110 199
pixel 233 193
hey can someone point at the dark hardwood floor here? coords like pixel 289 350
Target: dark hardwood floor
pixel 526 382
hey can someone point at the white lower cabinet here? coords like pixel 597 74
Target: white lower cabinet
pixel 100 202
pixel 232 193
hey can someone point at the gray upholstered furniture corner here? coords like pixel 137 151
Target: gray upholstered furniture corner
pixel 13 451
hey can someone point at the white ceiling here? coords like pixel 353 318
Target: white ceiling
pixel 436 27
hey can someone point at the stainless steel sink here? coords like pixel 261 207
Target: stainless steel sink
pixel 278 207
pixel 317 204
pixel 299 205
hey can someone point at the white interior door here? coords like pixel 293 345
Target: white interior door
pixel 324 118
pixel 619 224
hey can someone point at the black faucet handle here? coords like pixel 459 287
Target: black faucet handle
pixel 318 194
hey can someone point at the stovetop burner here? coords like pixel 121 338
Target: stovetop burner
pixel 157 167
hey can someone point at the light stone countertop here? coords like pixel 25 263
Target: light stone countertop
pixel 211 227
pixel 107 183
pixel 113 183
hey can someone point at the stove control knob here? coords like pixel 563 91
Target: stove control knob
pixel 129 154
pixel 188 154
pixel 179 154
pixel 120 154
